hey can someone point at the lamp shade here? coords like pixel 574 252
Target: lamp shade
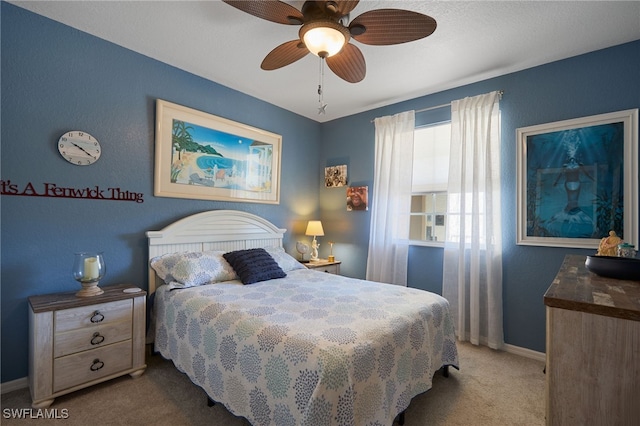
pixel 324 38
pixel 314 228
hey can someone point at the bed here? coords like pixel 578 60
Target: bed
pixel 302 348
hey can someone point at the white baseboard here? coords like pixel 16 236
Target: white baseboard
pixel 13 385
pixel 527 353
pixel 516 350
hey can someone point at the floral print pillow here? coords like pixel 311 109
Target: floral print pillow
pixel 190 269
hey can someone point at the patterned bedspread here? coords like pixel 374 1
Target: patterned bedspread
pixel 309 349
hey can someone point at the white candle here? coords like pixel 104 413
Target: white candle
pixel 91 268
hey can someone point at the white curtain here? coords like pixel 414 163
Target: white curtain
pixel 390 201
pixel 472 277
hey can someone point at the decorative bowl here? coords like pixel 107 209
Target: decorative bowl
pixel 621 268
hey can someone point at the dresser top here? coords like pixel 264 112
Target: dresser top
pixel 575 288
pixel 67 300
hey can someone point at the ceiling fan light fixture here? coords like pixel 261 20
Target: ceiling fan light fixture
pixel 324 38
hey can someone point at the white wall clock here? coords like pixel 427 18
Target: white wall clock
pixel 79 148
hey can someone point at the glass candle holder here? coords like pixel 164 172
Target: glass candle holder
pixel 88 270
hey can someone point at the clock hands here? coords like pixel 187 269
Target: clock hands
pixel 83 150
pixel 83 144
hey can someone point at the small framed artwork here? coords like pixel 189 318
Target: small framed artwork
pixel 357 198
pixel 335 176
pixel 202 156
pixel 577 180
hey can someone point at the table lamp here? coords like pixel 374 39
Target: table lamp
pixel 314 228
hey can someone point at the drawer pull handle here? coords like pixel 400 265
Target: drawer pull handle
pixel 97 339
pixel 97 365
pixel 97 317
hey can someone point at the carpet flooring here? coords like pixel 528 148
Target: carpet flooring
pixel 491 388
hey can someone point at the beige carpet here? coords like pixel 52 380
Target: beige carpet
pixel 491 388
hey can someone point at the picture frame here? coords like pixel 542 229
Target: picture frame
pixel 202 156
pixel 358 198
pixel 335 176
pixel 577 180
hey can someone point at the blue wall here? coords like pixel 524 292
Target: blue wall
pixel 598 82
pixel 56 79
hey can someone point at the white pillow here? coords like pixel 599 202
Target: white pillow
pixel 283 259
pixel 190 269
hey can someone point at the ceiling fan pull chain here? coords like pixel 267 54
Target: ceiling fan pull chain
pixel 322 107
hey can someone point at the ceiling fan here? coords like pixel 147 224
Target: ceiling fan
pixel 324 32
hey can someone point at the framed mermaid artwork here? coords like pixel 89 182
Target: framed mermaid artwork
pixel 577 180
pixel 202 156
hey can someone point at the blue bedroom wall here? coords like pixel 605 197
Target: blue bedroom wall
pixel 56 79
pixel 598 82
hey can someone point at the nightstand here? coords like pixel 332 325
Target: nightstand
pixel 325 266
pixel 75 342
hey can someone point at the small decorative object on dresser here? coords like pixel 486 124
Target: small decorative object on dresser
pixel 609 245
pixel 78 342
pixel 331 267
pixel 88 270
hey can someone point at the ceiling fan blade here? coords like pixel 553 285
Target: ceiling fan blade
pixel 348 64
pixel 271 10
pixel 283 55
pixel 391 26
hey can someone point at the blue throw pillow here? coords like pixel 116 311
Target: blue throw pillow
pixel 253 265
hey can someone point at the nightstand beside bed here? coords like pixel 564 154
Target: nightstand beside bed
pixel 325 266
pixel 76 342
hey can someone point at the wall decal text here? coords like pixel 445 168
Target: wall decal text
pixel 53 190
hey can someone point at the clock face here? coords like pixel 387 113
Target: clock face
pixel 79 148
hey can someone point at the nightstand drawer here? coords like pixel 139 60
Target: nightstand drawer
pixel 323 265
pixel 91 365
pixel 330 269
pixel 82 339
pixel 91 316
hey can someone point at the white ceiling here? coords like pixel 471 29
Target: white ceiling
pixel 474 40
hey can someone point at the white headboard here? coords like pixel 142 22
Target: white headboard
pixel 213 230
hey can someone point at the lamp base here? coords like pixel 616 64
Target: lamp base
pixel 89 289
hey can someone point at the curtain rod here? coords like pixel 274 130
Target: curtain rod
pixel 500 93
pixel 433 107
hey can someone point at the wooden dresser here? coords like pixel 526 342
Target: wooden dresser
pixel 75 342
pixel 593 348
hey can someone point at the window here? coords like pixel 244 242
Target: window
pixel 429 183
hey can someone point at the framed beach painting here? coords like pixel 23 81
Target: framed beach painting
pixel 577 180
pixel 202 156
